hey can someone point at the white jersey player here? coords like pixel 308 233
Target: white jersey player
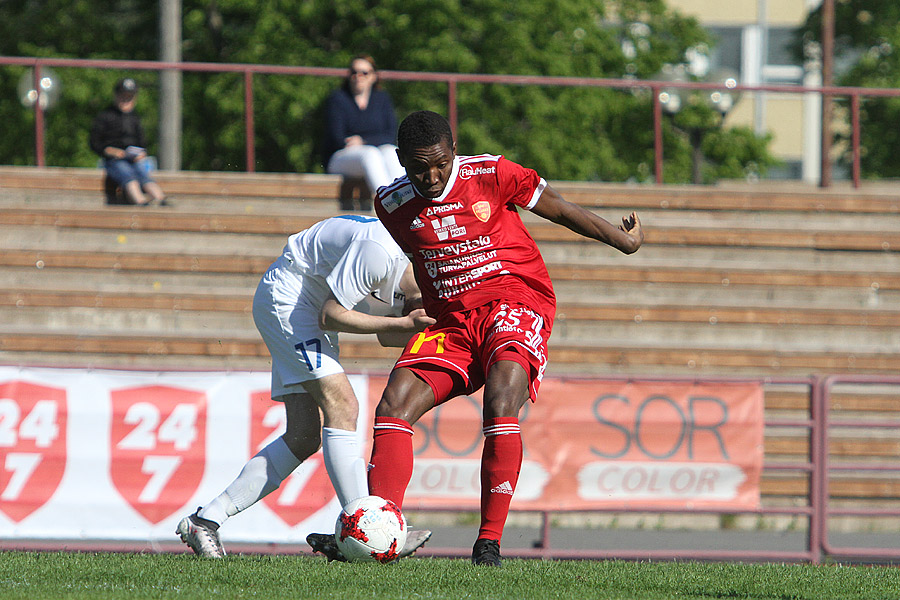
pixel 347 274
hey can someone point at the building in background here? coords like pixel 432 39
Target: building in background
pixel 754 39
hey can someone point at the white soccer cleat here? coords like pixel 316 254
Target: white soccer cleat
pixel 415 539
pixel 201 535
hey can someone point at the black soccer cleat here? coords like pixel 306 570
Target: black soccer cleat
pixel 324 543
pixel 486 552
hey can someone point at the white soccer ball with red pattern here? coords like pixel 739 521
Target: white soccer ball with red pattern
pixel 370 529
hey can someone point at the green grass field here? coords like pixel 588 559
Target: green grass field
pixel 49 575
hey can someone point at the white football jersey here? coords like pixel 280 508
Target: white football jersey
pixel 353 257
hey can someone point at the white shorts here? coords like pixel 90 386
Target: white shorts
pixel 289 325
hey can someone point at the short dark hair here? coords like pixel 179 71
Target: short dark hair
pixel 423 129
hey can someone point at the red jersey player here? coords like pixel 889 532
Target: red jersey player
pixel 484 281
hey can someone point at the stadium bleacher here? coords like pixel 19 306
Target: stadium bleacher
pixel 763 280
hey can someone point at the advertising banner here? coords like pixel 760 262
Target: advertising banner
pixel 104 455
pixel 124 455
pixel 592 444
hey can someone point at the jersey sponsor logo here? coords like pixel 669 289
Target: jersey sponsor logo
pixel 446 227
pixel 397 199
pixel 417 223
pixel 422 337
pixel 435 268
pixel 468 171
pixel 443 208
pixel 463 247
pixel 452 286
pixel 482 210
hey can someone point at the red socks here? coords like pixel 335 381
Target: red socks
pixel 391 466
pixel 500 465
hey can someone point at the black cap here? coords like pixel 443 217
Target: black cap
pixel 126 86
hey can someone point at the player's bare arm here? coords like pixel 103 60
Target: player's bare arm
pixel 409 287
pixel 626 238
pixel 334 317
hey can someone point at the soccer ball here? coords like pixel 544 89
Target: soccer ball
pixel 370 529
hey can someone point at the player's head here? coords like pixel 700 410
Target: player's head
pixel 426 150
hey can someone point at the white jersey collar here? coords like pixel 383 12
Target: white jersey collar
pixel 450 181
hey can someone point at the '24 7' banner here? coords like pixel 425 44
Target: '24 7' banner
pixel 593 443
pixel 95 454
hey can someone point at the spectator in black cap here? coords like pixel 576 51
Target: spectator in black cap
pixel 118 137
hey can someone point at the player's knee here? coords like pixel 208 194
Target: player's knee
pixel 408 407
pixel 503 406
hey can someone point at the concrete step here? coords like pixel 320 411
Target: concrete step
pixel 767 235
pixel 586 359
pixel 872 197
pixel 117 280
pixel 743 336
pixel 591 254
pixel 184 203
pixel 168 324
pixel 193 203
pixel 643 295
pixel 589 305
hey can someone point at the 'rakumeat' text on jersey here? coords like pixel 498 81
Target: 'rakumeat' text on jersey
pixel 469 246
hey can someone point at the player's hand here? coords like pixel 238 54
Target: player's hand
pixel 631 225
pixel 420 319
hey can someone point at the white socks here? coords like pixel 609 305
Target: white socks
pixel 345 464
pixel 264 473
pixel 260 476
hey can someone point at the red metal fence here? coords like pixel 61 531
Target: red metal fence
pixel 810 508
pixel 854 94
pixel 817 509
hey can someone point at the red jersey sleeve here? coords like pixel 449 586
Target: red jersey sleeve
pixel 520 185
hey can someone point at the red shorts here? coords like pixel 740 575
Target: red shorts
pixel 454 355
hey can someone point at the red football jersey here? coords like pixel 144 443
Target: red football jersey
pixel 469 246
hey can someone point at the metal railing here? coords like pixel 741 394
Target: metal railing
pixel 887 469
pixel 813 510
pixel 452 80
pixel 819 507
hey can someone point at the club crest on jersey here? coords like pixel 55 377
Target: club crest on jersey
pixel 397 198
pixel 482 210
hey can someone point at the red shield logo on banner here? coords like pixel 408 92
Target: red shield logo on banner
pixel 158 447
pixel 308 489
pixel 32 446
pixel 482 210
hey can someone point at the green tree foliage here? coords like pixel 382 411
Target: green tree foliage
pixel 867 54
pixel 582 133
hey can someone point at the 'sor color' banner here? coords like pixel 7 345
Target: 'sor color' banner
pixel 591 444
pixel 123 455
